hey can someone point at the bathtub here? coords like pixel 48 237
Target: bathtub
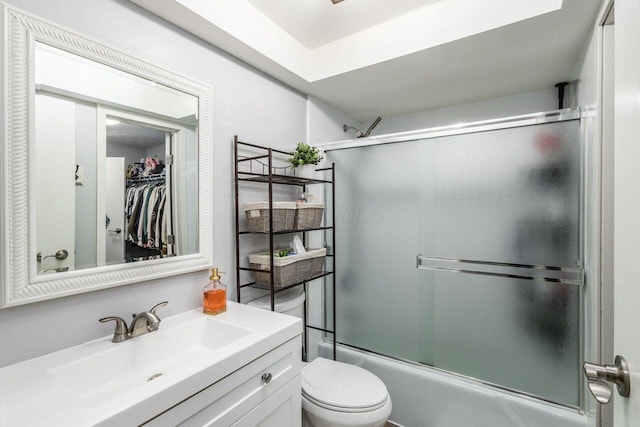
pixel 424 397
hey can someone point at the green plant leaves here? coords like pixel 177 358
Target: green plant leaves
pixel 305 155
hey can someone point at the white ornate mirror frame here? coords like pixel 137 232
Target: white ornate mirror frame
pixel 19 283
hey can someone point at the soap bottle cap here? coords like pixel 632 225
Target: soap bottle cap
pixel 214 274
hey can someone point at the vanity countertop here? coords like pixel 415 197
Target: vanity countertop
pixel 100 383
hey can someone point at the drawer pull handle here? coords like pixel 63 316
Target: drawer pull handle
pixel 266 378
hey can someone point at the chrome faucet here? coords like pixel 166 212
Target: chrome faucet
pixel 145 322
pixel 142 323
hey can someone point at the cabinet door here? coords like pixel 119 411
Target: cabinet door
pixel 281 409
pixel 228 400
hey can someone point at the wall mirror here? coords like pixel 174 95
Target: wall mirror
pixel 106 162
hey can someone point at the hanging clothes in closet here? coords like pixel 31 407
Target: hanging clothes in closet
pixel 145 215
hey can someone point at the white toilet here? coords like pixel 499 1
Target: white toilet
pixel 334 394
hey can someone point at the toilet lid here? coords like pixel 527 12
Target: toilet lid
pixel 342 386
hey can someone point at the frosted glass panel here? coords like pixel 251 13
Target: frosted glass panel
pixel 518 334
pixel 508 196
pixel 377 218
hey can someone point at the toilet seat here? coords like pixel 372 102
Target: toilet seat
pixel 343 408
pixel 341 387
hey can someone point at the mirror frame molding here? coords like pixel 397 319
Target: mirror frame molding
pixel 19 283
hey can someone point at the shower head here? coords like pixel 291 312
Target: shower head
pixel 374 124
pixel 360 134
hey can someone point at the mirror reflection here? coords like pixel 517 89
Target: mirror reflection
pixel 138 226
pixel 116 176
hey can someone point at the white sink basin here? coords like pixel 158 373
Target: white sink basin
pixel 101 383
pixel 145 358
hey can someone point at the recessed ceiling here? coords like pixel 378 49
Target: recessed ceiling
pixel 317 22
pixel 382 57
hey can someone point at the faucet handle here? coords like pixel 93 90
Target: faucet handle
pixel 121 332
pixel 160 304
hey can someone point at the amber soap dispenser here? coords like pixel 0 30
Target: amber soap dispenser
pixel 215 295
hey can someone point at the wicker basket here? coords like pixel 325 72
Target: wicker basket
pixel 308 215
pixel 288 270
pixel 258 216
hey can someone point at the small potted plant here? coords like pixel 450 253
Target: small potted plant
pixel 304 160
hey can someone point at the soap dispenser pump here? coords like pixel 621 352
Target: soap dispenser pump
pixel 215 295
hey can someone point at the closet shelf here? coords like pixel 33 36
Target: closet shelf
pixel 147 179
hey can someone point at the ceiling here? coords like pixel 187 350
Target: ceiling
pixel 318 22
pixel 134 135
pixel 372 58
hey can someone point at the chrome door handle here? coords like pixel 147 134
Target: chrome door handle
pixel 59 255
pixel 266 378
pixel 598 377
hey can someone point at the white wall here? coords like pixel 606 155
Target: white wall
pixel 245 102
pixel 131 153
pixel 324 122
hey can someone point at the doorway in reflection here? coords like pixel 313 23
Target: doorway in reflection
pixel 137 201
pixel 112 186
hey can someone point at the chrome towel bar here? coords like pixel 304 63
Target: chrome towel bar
pixel 539 273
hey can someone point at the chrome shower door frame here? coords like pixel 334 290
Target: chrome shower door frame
pixel 572 276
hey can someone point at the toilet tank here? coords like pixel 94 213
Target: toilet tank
pixel 289 302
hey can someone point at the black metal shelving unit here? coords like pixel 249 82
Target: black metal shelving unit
pixel 261 169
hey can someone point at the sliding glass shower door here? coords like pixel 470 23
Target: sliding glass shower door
pixel 463 252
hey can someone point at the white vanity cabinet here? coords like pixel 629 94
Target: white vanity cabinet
pixel 265 392
pixel 241 367
pixel 283 408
